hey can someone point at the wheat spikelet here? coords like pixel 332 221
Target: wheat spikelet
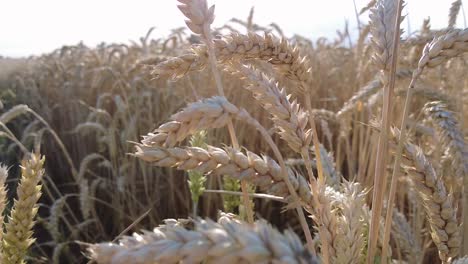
pixel 331 174
pixel 198 14
pixel 17 238
pixel 85 202
pixel 463 260
pixel 269 48
pixel 56 212
pixel 228 241
pixel 454 10
pixel 438 204
pixel 262 172
pixel 367 7
pixel 90 126
pixel 287 116
pixel 430 94
pixel 350 241
pixel 3 201
pixel 326 218
pixel 365 92
pixel 14 112
pixel 404 236
pixel 208 113
pixel 371 88
pixel 442 48
pixel 383 24
pixel 451 136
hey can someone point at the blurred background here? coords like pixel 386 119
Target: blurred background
pixel 37 27
pixel 83 102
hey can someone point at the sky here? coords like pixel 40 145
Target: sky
pixel 30 27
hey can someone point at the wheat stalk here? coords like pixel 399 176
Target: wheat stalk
pixel 228 241
pixel 385 31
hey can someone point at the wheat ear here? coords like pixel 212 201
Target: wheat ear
pixel 451 136
pixel 453 143
pixel 463 260
pixel 454 10
pixel 438 204
pixel 3 201
pixel 404 236
pixel 278 52
pixel 228 241
pixel 262 172
pixel 287 116
pixel 214 112
pixel 440 49
pixel 17 238
pixel 350 241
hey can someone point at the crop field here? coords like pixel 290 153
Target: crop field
pixel 239 144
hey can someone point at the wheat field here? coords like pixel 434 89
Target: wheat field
pixel 239 144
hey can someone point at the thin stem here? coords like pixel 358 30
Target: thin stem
pixel 396 169
pixel 253 195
